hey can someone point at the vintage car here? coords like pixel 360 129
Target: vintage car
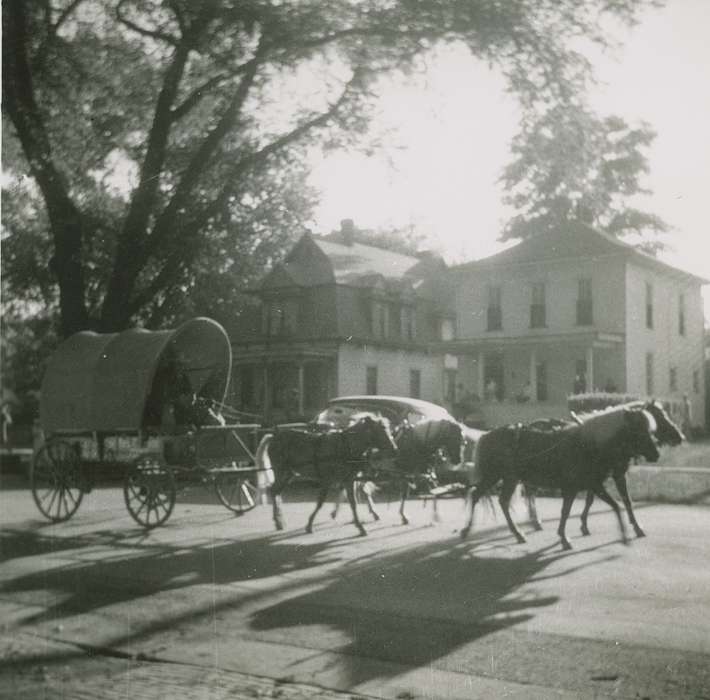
pixel 396 409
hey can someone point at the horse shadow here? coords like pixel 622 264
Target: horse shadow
pixel 418 606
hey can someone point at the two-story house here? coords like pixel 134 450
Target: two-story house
pixel 575 310
pixel 341 317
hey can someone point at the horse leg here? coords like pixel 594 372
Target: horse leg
pixel 405 494
pixel 585 512
pixel 567 501
pixel 532 508
pixel 604 495
pixel 370 502
pixel 505 495
pixel 475 494
pixel 350 490
pixel 322 494
pixel 275 490
pixel 620 481
pixel 336 504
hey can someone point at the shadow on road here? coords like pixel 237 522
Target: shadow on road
pixel 405 603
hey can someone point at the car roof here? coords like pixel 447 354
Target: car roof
pixel 395 403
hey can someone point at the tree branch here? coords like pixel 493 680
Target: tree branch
pixel 150 33
pixel 193 99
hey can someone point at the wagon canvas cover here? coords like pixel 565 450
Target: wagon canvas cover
pixel 101 382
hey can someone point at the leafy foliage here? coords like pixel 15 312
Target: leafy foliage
pixel 166 138
pixel 571 165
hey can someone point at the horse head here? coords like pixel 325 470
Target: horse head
pixel 640 426
pixel 667 432
pixel 376 434
pixel 452 441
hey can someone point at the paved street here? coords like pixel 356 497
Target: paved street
pixel 213 606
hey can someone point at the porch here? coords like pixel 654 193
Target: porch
pixel 525 378
pixel 283 388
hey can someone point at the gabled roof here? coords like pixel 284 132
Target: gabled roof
pixel 321 260
pixel 574 240
pixel 356 260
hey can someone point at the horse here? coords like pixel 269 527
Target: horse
pixel 666 433
pixel 333 457
pixel 420 447
pixel 572 457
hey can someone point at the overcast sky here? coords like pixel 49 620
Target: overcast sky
pixel 449 137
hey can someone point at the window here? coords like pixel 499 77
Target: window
pixel 649 305
pixel 450 385
pixel 448 329
pixel 371 381
pixel 584 302
pixel 696 381
pixel 246 386
pixel 537 307
pixel 681 314
pixel 409 323
pixel 649 373
pixel 280 317
pixel 541 380
pixel 673 379
pixel 415 383
pixel 379 319
pixel 495 311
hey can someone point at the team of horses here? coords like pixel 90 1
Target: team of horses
pixel 571 456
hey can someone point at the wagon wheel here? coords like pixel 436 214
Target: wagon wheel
pixel 236 491
pixel 149 492
pixel 55 480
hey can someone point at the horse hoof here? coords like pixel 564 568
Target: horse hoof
pixel 309 529
pixel 405 521
pixel 521 539
pixel 640 532
pixel 566 546
pixel 464 532
pixel 375 517
pixel 363 533
pixel 585 531
pixel 333 515
pixel 279 526
pixel 537 527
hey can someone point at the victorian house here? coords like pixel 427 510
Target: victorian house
pixel 340 317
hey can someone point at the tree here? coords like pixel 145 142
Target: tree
pixel 201 104
pixel 569 164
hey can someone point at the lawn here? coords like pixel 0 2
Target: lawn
pixel 689 454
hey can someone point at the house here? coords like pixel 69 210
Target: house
pixel 575 310
pixel 342 317
pixel 567 311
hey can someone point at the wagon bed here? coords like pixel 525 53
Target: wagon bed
pixel 106 400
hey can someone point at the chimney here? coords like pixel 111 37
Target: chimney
pixel 347 231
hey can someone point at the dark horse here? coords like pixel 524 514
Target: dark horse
pixel 666 433
pixel 573 458
pixel 420 448
pixel 332 458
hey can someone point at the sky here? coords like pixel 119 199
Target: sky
pixel 447 142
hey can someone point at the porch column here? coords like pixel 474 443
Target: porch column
pixel 301 385
pixel 267 402
pixel 533 375
pixel 590 369
pixel 481 375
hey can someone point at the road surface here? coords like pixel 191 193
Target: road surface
pixel 214 606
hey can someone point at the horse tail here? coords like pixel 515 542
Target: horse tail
pixel 480 457
pixel 265 473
